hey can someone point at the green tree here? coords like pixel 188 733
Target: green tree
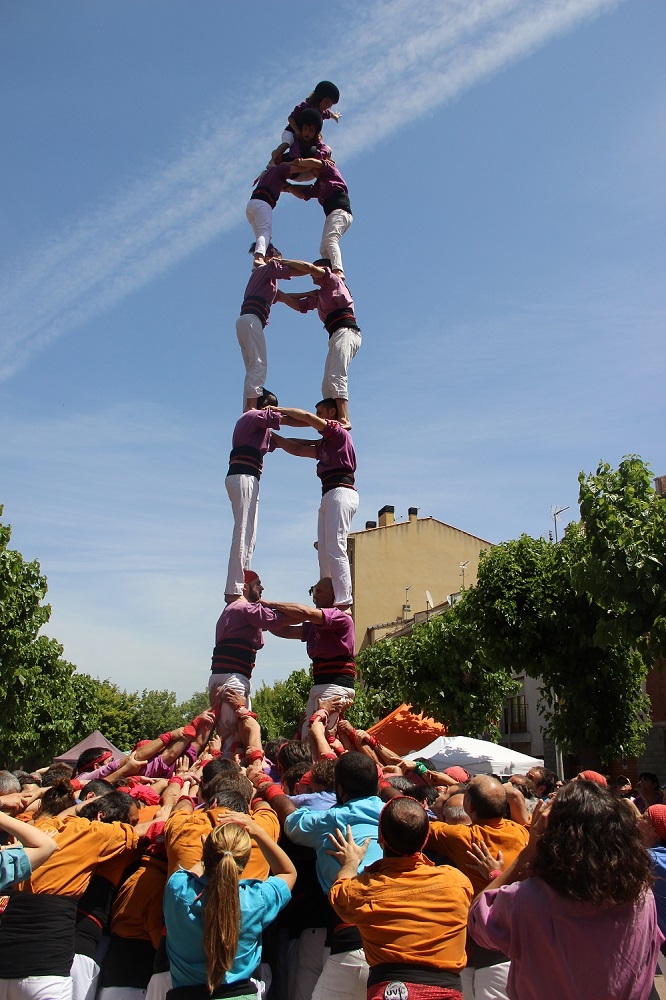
pixel 33 673
pixel 441 670
pixel 622 565
pixel 281 705
pixel 531 619
pixel 194 706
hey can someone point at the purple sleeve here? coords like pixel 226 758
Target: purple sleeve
pixel 306 628
pixel 281 270
pixel 273 418
pixel 307 302
pixel 333 431
pixel 158 769
pixel 490 918
pixel 261 617
pixel 104 771
pixel 333 619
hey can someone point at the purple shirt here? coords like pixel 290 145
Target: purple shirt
pixel 253 429
pixel 335 450
pixel 263 282
pixel 332 295
pixel 301 148
pixel 272 180
pixel 330 181
pixel 300 108
pixel 333 638
pixel 560 947
pixel 244 620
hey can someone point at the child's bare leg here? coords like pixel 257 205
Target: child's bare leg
pixel 277 152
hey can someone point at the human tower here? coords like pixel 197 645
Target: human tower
pixel 302 165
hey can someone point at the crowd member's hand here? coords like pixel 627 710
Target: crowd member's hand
pixel 255 771
pixel 539 822
pixel 240 819
pixel 215 743
pixel 330 705
pixel 345 850
pixel 234 699
pixel 482 861
pixel 182 765
pixel 14 803
pixel 206 719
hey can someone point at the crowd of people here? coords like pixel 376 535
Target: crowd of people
pixel 209 863
pixel 323 867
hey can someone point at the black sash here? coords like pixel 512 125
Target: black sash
pixel 263 194
pixel 128 962
pixel 37 936
pixel 339 199
pixel 242 988
pixel 423 975
pixel 234 656
pixel 254 305
pixel 339 318
pixel 336 477
pixel 334 670
pixel 245 461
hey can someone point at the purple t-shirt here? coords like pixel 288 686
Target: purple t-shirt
pixel 302 148
pixel 560 947
pixel 272 180
pixel 300 108
pixel 245 620
pixel 333 638
pixel 253 429
pixel 330 181
pixel 332 295
pixel 335 450
pixel 263 282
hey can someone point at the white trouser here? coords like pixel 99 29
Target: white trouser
pixel 84 978
pixel 337 509
pixel 344 977
pixel 318 691
pixel 307 961
pixel 335 226
pixel 121 993
pixel 217 685
pixel 260 216
pixel 485 984
pixel 36 988
pixel 342 348
pixel 252 340
pixel 159 986
pixel 244 495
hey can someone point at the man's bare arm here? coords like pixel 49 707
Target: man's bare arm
pixel 304 416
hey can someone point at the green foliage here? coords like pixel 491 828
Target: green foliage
pixel 441 670
pixel 622 566
pixel 281 705
pixel 535 622
pixel 32 671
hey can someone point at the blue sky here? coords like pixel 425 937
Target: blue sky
pixel 505 160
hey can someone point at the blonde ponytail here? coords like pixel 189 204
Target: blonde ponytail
pixel 225 853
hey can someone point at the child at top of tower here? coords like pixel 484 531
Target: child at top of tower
pixel 322 99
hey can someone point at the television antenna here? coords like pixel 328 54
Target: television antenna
pixel 429 602
pixel 463 567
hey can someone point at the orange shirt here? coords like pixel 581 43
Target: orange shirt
pixel 408 911
pixel 48 824
pixel 183 832
pixel 83 845
pixel 454 840
pixel 137 911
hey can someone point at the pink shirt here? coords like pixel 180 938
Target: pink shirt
pixel 332 295
pixel 253 429
pixel 563 948
pixel 333 638
pixel 335 450
pixel 247 621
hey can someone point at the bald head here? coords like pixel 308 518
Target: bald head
pixel 485 798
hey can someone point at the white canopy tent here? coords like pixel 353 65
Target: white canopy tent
pixel 476 756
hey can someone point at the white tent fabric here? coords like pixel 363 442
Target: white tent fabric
pixel 476 756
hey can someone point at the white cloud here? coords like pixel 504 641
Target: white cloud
pixel 401 61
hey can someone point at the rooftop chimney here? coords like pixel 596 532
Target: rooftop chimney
pixel 386 516
pixel 413 513
pixel 371 524
pixel 660 485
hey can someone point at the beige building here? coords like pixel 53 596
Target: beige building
pixel 402 571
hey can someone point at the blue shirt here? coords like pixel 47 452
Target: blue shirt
pixel 14 866
pixel 311 829
pixel 260 903
pixel 315 800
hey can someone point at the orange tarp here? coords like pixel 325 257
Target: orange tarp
pixel 402 731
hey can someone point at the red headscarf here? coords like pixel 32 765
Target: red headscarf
pixel 594 776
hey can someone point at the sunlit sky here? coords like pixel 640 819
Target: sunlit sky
pixel 506 163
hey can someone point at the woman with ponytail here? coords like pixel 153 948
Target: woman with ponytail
pixel 214 917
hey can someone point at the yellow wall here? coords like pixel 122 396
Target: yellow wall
pixel 421 552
